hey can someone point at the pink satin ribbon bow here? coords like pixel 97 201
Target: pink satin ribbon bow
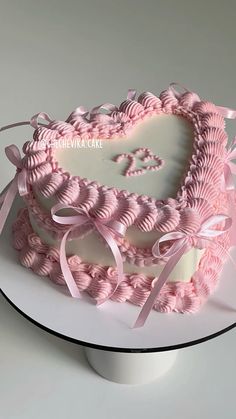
pixel 18 184
pixel 181 243
pixel 107 231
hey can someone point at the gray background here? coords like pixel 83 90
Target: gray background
pixel 55 56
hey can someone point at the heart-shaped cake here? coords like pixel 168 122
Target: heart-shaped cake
pixel 129 202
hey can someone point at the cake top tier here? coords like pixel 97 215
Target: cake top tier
pixel 183 163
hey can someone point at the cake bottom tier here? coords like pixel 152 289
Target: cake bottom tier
pixel 99 281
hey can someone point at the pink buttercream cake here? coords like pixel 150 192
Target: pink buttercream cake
pixel 132 203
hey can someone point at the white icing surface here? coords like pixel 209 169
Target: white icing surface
pixel 92 249
pixel 168 136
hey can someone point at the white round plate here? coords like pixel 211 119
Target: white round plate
pixel 109 326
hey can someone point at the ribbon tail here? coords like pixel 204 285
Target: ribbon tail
pixel 108 236
pixel 22 183
pixel 172 262
pixel 227 112
pixel 228 175
pixel 16 124
pixel 70 282
pixel 131 94
pixel 7 200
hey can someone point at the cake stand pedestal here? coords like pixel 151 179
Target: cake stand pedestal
pixel 115 350
pixel 130 368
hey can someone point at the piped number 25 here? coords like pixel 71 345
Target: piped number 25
pixel 140 154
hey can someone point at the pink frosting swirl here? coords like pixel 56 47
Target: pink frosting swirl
pixel 215 134
pixel 150 101
pixel 30 147
pixel 169 100
pixel 140 281
pixel 106 206
pixel 210 160
pixel 44 133
pixel 168 219
pixel 53 254
pixel 39 172
pixel 74 262
pixel 147 218
pixel 56 275
pixel 119 117
pixel 81 126
pixel 101 129
pixel 202 206
pixel 50 184
pixel 68 192
pixel 188 304
pixel 131 108
pixel 83 280
pixel 28 256
pixel 43 267
pixel 88 198
pixel 98 272
pixel 212 148
pixel 188 100
pixel 62 127
pixel 214 120
pixel 35 243
pixel 204 107
pixel 100 290
pixel 128 211
pixel 165 303
pixel 34 160
pixel 190 221
pixel 123 293
pixel 139 296
pixel 202 190
pixel 207 174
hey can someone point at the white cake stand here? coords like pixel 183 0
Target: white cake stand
pixel 115 350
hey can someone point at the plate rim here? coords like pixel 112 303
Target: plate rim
pixel 111 348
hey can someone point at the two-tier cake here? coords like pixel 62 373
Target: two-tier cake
pixel 131 202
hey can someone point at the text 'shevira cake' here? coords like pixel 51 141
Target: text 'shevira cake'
pixel 133 202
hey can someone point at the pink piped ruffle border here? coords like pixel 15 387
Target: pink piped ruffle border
pixel 98 281
pixel 201 180
pixel 195 200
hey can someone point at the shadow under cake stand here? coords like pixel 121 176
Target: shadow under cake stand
pixel 115 350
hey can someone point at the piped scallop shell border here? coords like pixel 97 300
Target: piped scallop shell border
pixel 196 198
